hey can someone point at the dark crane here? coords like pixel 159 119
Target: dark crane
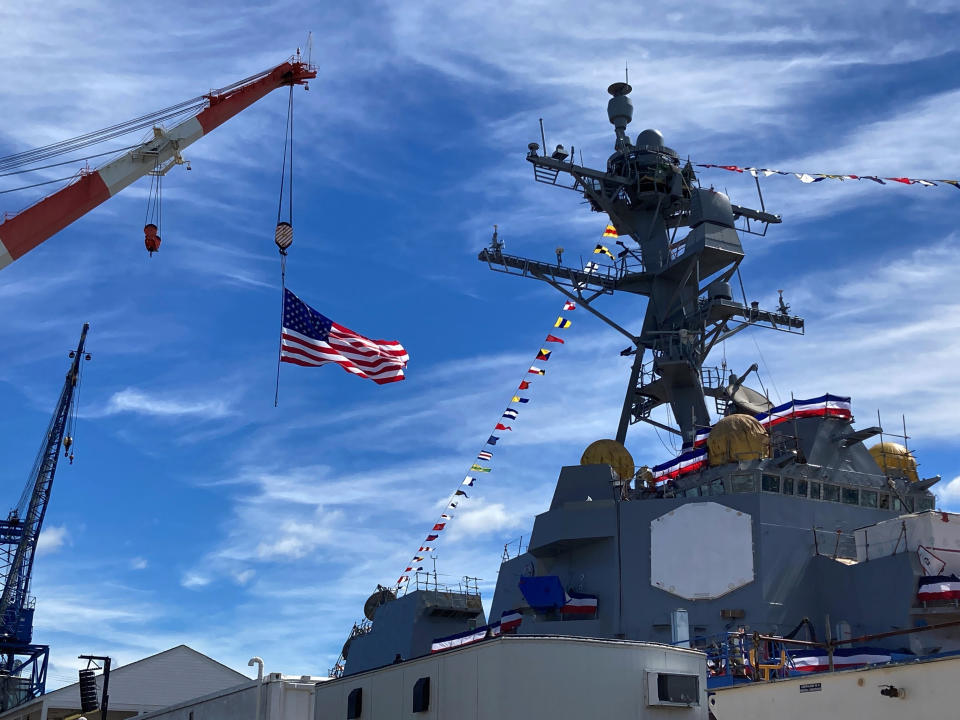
pixel 23 665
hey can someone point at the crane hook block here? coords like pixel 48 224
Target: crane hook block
pixel 283 237
pixel 150 238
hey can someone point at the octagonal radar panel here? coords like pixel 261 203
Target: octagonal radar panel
pixel 701 551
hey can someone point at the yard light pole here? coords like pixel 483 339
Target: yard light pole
pixel 259 663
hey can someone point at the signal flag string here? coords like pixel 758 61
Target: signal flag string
pixel 805 177
pixel 485 454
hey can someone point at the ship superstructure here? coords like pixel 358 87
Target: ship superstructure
pixel 775 521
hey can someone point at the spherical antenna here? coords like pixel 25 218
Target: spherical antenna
pixel 612 453
pixel 380 596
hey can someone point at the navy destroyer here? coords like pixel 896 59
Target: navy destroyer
pixel 784 540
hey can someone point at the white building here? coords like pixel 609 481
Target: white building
pixel 154 682
pixel 282 697
pixel 522 677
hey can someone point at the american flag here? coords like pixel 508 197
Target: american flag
pixel 310 339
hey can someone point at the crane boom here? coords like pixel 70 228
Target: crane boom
pixel 17 581
pixel 26 230
pixel 18 545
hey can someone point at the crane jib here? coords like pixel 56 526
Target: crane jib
pixel 29 228
pixel 21 534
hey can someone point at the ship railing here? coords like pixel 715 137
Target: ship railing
pixel 423 580
pixel 597 278
pixel 834 544
pixel 737 657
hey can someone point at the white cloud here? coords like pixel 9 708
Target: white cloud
pixel 243 577
pixel 486 519
pixel 132 400
pixel 51 539
pixel 948 493
pixel 193 580
pixel 884 332
pixel 138 563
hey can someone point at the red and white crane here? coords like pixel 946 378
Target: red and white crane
pixel 21 233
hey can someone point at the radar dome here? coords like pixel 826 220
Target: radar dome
pixel 737 437
pixel 612 453
pixel 380 596
pixel 895 460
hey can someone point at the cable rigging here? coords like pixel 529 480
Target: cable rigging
pixel 283 235
pixel 153 220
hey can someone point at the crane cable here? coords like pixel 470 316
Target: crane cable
pixel 70 430
pixel 284 232
pixel 154 214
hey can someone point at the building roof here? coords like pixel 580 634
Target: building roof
pixel 153 682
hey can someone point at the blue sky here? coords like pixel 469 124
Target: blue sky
pixel 197 512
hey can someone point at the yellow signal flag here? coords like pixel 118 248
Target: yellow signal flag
pixel 562 322
pixel 604 250
pixel 610 231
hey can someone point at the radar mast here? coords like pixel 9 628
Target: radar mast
pixel 685 275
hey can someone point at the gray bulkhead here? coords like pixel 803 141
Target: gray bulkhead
pixel 793 572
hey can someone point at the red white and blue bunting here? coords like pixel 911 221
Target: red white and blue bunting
pixel 938 587
pixel 804 661
pixel 508 623
pixel 694 457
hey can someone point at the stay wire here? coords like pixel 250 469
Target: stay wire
pixel 68 162
pixel 30 156
pixel 193 105
pixel 39 184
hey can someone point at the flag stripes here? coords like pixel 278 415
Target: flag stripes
pixel 310 339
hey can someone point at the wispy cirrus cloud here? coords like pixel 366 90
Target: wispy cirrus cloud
pixel 133 400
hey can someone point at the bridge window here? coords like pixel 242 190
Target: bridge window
pixel 924 503
pixel 851 496
pixel 770 483
pixel 814 491
pixel 692 492
pixel 802 487
pixel 831 493
pixel 788 486
pixel 868 498
pixel 714 488
pixel 884 501
pixel 743 483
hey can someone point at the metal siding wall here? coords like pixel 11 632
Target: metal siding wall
pixel 513 679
